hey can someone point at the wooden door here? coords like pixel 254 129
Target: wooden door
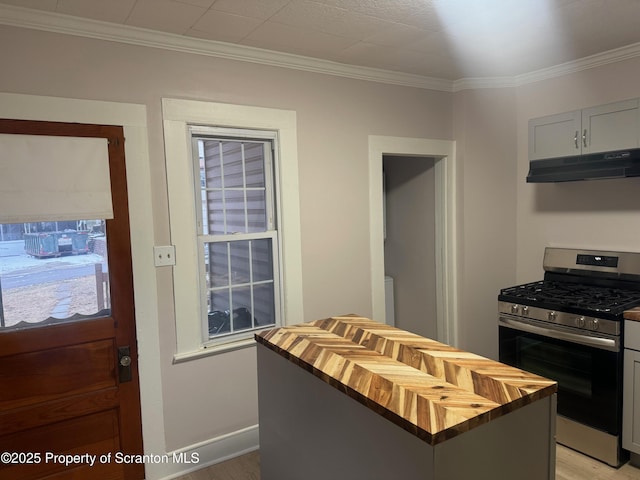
pixel 63 391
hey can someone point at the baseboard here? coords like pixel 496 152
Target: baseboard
pixel 203 454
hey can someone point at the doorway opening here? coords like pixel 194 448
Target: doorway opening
pixel 442 155
pixel 409 242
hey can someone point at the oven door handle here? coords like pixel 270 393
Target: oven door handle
pixel 609 344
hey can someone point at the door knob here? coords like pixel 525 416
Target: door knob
pixel 124 364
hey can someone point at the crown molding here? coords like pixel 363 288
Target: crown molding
pixel 84 27
pixel 475 83
pixel 585 63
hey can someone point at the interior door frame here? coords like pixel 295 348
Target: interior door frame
pixel 445 205
pixel 133 119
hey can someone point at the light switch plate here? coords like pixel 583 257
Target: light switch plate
pixel 164 255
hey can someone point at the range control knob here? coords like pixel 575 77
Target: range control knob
pixel 552 316
pixel 580 322
pixel 594 324
pixel 514 308
pixel 525 310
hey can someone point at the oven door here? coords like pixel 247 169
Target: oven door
pixel 588 368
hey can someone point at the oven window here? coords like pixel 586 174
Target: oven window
pixel 569 367
pixel 589 379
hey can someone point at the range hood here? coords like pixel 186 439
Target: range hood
pixel 618 164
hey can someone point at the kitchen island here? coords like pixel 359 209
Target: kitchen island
pixel 350 398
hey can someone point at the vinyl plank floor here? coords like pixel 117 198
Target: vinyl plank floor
pixel 244 467
pixel 570 465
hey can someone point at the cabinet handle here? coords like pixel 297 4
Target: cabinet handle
pixel 584 138
pixel 575 139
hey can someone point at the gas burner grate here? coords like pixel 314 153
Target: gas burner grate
pixel 565 295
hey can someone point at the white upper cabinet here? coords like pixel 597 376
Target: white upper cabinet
pixel 610 127
pixel 554 135
pixel 605 128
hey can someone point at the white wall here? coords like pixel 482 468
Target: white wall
pixel 485 133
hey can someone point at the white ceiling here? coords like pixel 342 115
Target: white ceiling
pixel 443 39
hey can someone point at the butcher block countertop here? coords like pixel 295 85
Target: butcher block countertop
pixel 633 314
pixel 430 389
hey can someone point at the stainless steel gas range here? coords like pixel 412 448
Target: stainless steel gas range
pixel 568 327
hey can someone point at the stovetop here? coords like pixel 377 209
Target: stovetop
pixel 582 299
pixel 579 288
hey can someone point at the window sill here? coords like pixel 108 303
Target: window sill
pixel 214 350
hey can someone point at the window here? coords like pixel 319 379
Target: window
pixel 52 272
pixel 237 230
pixel 53 262
pixel 238 252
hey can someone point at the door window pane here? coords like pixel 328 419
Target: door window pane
pixel 52 272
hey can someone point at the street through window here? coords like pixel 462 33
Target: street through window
pixel 53 272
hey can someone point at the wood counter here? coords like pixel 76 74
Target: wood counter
pixel 434 392
pixel 428 388
pixel 633 314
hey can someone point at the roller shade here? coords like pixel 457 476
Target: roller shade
pixel 51 178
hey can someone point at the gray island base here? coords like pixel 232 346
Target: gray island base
pixel 312 427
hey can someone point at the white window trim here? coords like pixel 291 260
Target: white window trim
pixel 177 116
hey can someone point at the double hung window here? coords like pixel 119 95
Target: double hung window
pixel 234 205
pixel 236 222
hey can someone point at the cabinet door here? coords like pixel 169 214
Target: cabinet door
pixel 631 401
pixel 610 127
pixel 555 136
